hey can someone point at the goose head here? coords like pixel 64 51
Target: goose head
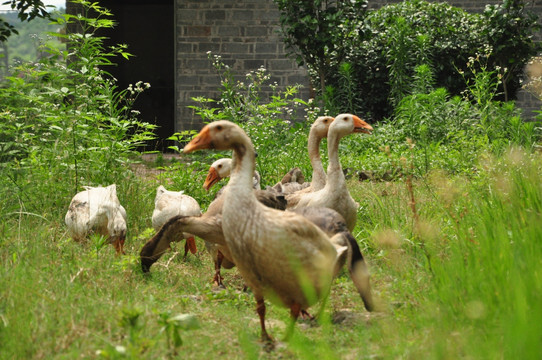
pixel 345 124
pixel 219 135
pixel 117 229
pixel 320 126
pixel 218 170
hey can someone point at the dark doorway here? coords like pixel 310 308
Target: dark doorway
pixel 148 28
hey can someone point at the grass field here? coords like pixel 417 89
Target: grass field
pixel 457 274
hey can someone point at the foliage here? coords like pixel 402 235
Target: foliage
pixel 26 10
pixel 448 132
pixel 30 40
pixel 64 121
pixel 510 29
pixel 385 46
pixel 314 31
pixel 534 79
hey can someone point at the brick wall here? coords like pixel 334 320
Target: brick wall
pixel 244 33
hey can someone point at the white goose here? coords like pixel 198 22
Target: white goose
pixel 168 204
pixel 319 130
pixel 221 169
pixel 281 255
pixel 335 194
pixel 97 210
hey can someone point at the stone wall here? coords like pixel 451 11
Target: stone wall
pixel 245 34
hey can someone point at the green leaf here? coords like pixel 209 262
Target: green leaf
pixel 185 321
pixel 177 341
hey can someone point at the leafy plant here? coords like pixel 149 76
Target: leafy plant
pixel 384 46
pixel 173 324
pixel 509 28
pixel 64 120
pixel 27 10
pixel 314 31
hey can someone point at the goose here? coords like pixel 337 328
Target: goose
pixel 168 204
pixel 207 227
pixel 293 181
pixel 318 131
pixel 97 210
pixel 281 255
pixel 334 194
pixel 221 169
pixel 332 223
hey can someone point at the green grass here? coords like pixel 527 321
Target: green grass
pixel 461 281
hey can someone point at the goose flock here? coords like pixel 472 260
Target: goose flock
pixel 288 241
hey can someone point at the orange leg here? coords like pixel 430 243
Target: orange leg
pixel 190 244
pixel 306 315
pixel 118 244
pixel 260 309
pixel 218 263
pixel 295 310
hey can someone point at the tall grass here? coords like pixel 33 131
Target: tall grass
pixel 489 280
pixel 462 280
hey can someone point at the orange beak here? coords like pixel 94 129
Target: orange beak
pixel 361 126
pixel 201 141
pixel 118 244
pixel 211 179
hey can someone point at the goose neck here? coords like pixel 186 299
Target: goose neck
pixel 335 175
pixel 241 178
pixel 318 174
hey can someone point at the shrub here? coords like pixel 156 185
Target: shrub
pixel 436 130
pixel 385 46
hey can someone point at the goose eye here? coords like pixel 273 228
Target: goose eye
pixel 219 127
pixel 220 166
pixel 325 120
